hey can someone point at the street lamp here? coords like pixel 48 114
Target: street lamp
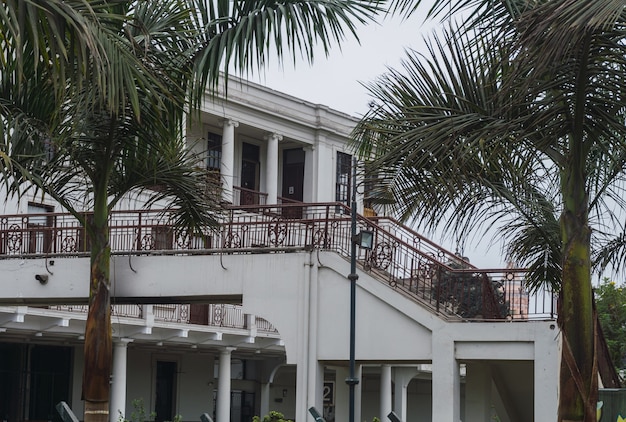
pixel 393 417
pixel 316 415
pixel 364 240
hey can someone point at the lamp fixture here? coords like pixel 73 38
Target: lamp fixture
pixel 365 239
pixel 393 417
pixel 316 415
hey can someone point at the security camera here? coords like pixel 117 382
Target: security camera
pixel 42 278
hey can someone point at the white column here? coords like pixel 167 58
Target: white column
pixel 117 406
pixel 315 378
pixel 357 393
pixel 309 190
pixel 547 368
pixel 402 377
pixel 271 166
pixel 446 380
pixel 227 165
pixel 265 398
pixel 223 386
pixel 304 348
pixel 342 394
pixel 385 391
pixel 327 168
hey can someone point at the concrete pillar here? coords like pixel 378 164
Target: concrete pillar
pixel 117 406
pixel 326 171
pixel 402 377
pixel 385 391
pixel 342 394
pixel 547 359
pixel 357 393
pixel 269 368
pixel 446 380
pixel 315 376
pixel 147 312
pixel 305 350
pixel 309 191
pixel 271 166
pixel 265 398
pixel 227 165
pixel 223 386
pixel 250 321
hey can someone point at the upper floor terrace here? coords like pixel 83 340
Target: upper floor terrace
pixel 407 262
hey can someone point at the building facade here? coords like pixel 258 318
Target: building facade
pixel 255 317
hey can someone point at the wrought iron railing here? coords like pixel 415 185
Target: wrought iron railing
pixel 400 257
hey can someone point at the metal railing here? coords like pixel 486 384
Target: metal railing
pixel 218 315
pixel 400 257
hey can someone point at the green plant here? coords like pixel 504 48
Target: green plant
pixel 139 414
pixel 273 416
pixel 610 300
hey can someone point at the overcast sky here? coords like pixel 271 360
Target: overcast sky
pixel 336 80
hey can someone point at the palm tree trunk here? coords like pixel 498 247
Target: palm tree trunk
pixel 578 392
pixel 98 336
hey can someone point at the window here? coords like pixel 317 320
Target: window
pixel 214 152
pixel 237 369
pixel 343 178
pixel 371 193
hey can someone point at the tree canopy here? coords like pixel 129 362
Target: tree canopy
pixel 514 120
pixel 611 307
pixel 93 96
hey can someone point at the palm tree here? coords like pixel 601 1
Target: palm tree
pixel 92 99
pixel 87 147
pixel 516 120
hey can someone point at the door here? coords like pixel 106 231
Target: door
pixel 199 314
pixel 165 403
pixel 13 381
pixel 249 174
pixel 49 381
pixel 33 379
pixel 293 181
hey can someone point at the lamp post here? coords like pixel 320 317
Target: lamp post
pixel 364 240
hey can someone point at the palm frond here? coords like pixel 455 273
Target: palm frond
pixel 240 35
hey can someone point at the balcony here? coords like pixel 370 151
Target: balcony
pixel 216 315
pixel 401 258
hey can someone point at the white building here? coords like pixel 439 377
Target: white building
pixel 256 318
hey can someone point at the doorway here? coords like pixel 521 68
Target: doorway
pixel 250 170
pixel 165 402
pixel 34 378
pixel 293 181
